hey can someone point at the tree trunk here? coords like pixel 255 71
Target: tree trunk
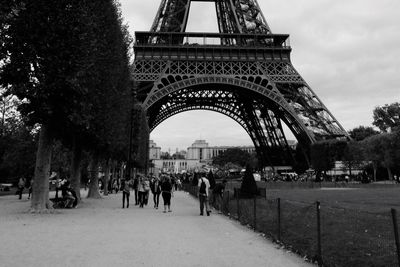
pixel 389 171
pixel 375 166
pixel 94 178
pixel 106 176
pixel 350 167
pixel 122 171
pixel 40 190
pixel 76 169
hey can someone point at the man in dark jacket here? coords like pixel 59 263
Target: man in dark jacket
pixel 218 195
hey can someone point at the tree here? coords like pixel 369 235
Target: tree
pixel 322 158
pixel 66 55
pixel 372 151
pixel 249 186
pixel 361 132
pixel 233 155
pixel 387 117
pixel 352 157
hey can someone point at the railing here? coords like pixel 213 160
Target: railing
pixel 326 235
pixel 211 39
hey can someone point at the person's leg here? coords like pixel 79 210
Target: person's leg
pixel 169 202
pixel 165 201
pixel 219 202
pixel 20 192
pixel 201 199
pixel 157 200
pixel 141 198
pixel 127 200
pixel 136 197
pixel 123 199
pixel 207 205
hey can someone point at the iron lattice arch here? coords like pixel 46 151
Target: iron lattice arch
pixel 245 109
pixel 244 72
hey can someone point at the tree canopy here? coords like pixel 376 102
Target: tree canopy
pixel 68 61
pixel 233 155
pixel 387 117
pixel 361 132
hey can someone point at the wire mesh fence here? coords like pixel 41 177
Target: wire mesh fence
pixel 329 236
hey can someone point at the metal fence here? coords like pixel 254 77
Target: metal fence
pixel 325 235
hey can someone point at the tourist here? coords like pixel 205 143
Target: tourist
pixel 166 192
pixel 125 187
pixel 146 190
pixel 69 196
pixel 218 195
pixel 135 188
pixel 156 190
pixel 30 188
pixel 204 186
pixel 141 191
pixel 21 186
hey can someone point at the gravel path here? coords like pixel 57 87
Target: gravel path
pixel 100 233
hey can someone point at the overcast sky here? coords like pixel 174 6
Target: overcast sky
pixel 347 51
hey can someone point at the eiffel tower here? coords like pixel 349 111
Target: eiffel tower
pixel 244 72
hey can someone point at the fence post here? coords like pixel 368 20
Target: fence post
pixel 227 206
pixel 255 212
pixel 319 252
pixel 396 234
pixel 238 205
pixel 279 219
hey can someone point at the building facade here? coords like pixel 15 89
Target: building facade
pixel 154 150
pixel 198 155
pixel 200 150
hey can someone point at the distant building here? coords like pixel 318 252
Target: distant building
pixel 197 156
pixel 200 150
pixel 154 151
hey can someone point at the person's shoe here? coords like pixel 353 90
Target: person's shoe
pixel 164 211
pixel 208 213
pixel 169 210
pixel 201 214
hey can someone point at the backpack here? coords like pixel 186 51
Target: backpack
pixel 202 187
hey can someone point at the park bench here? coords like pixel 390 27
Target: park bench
pixel 5 187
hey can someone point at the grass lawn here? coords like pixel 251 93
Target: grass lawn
pixel 356 223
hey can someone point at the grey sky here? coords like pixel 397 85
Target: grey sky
pixel 347 51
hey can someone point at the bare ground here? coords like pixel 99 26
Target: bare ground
pixel 101 233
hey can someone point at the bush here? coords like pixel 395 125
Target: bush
pixel 249 185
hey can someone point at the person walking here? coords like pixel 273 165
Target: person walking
pixel 125 187
pixel 204 186
pixel 135 188
pixel 146 190
pixel 166 192
pixel 156 190
pixel 141 191
pixel 30 188
pixel 21 186
pixel 218 194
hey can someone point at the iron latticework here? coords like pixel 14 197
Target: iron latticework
pixel 243 72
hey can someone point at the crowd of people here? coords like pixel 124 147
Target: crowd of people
pixel 165 186
pixel 141 185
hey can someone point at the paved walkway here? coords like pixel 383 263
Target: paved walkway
pixel 100 233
